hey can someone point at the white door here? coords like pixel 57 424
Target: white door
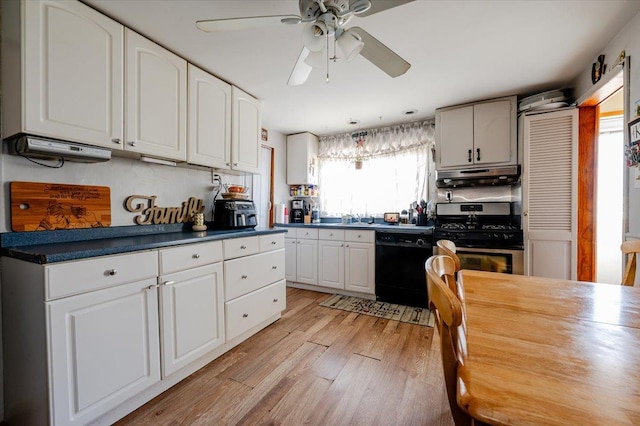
pixel 290 256
pixel 245 132
pixel 331 263
pixel 492 134
pixel 360 267
pixel 550 194
pixel 192 315
pixel 104 349
pixel 262 188
pixel 156 99
pixel 209 116
pixel 455 137
pixel 307 261
pixel 73 73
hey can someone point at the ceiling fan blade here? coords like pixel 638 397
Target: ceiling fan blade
pixel 235 24
pixel 380 5
pixel 380 55
pixel 301 70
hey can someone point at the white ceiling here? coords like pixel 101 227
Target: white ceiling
pixel 460 51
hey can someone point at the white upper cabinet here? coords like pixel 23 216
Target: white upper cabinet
pixel 245 132
pixel 209 115
pixel 477 134
pixel 302 159
pixel 68 84
pixel 156 99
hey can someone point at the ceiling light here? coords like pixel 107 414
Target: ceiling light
pixel 351 44
pixel 313 36
pixel 409 111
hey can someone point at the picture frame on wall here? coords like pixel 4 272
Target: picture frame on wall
pixel 632 152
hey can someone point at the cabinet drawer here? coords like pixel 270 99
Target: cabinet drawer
pixel 307 233
pixel 251 309
pixel 359 236
pixel 331 234
pixel 271 242
pixel 246 274
pixel 236 247
pixel 189 256
pixel 65 279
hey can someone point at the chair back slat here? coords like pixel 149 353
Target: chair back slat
pixel 631 249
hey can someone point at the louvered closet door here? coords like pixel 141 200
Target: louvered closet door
pixel 550 193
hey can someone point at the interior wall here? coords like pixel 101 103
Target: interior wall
pixel 628 40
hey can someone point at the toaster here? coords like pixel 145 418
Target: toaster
pixel 234 214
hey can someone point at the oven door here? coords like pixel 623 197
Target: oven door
pixel 492 260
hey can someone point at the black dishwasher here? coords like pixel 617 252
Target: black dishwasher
pixel 400 258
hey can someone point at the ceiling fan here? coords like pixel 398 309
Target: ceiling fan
pixel 325 21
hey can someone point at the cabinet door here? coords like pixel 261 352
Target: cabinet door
pixel 331 264
pixel 248 311
pixel 156 101
pixel 360 267
pixel 492 133
pixel 454 137
pixel 307 261
pixel 290 259
pixel 104 350
pixel 549 210
pixel 245 133
pixel 302 159
pixel 209 115
pixel 192 315
pixel 73 68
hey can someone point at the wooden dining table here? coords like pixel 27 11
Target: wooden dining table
pixel 541 351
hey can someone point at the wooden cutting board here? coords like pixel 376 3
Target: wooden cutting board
pixel 47 206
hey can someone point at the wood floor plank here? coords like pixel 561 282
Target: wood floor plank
pixel 317 366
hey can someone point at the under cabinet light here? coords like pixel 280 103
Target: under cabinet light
pixel 157 161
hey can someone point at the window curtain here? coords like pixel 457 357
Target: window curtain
pixel 397 163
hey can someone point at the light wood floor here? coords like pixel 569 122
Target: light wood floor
pixel 317 366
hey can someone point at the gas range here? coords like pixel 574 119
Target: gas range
pixel 478 225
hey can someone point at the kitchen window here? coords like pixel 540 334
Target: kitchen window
pixel 396 164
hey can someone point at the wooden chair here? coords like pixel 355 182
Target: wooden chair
pixel 448 248
pixel 449 316
pixel 631 249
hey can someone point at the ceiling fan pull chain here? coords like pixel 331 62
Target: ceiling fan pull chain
pixel 327 35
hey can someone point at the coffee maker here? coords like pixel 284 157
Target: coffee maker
pixel 297 211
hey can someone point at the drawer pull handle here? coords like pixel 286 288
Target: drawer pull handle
pixel 359 236
pixel 112 272
pixel 196 256
pixel 115 140
pixel 275 300
pixel 243 247
pixel 273 243
pixel 274 267
pixel 331 234
pixel 244 277
pixel 168 282
pixel 151 287
pixel 245 315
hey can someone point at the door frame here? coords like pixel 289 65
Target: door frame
pixel 614 80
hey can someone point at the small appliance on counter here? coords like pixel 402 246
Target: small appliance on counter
pixel 234 214
pixel 297 211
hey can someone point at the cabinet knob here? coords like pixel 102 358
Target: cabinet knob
pixel 244 277
pixel 273 242
pixel 116 141
pixel 112 272
pixel 235 164
pixel 245 315
pixel 274 267
pixel 243 247
pixel 196 256
pixel 341 245
pixel 359 236
pixel 347 245
pixel 132 143
pixel 275 300
pixel 151 287
pixel 331 234
pixel 227 164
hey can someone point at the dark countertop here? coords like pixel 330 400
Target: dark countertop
pixel 383 227
pixel 58 246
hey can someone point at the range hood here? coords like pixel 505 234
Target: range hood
pixel 477 177
pixel 52 149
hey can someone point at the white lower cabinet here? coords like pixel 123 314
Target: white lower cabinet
pixel 331 263
pixel 290 259
pixel 360 267
pixel 192 315
pixel 103 350
pixel 307 261
pixel 248 311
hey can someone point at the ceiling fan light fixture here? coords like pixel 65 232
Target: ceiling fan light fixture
pixel 359 6
pixel 313 36
pixel 351 44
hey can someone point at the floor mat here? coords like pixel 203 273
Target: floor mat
pixel 409 314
